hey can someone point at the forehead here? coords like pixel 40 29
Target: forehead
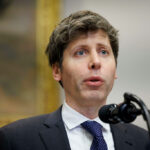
pixel 99 35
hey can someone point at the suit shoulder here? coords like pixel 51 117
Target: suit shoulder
pixel 132 135
pixel 34 121
pixel 28 124
pixel 132 130
pixel 25 123
pixel 22 132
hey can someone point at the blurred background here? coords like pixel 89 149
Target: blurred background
pixel 26 86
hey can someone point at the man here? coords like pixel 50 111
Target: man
pixel 82 52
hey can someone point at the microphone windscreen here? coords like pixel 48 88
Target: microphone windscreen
pixel 105 112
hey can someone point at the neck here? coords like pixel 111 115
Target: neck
pixel 89 111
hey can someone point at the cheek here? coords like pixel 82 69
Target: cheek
pixel 110 72
pixel 68 74
pixel 73 74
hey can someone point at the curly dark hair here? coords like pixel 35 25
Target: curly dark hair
pixel 73 26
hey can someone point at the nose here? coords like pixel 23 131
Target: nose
pixel 94 62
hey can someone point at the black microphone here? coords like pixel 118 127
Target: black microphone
pixel 124 112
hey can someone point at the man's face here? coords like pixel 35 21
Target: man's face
pixel 88 70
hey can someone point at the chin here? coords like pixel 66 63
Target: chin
pixel 95 96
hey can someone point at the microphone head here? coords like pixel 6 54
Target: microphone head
pixel 127 112
pixel 105 114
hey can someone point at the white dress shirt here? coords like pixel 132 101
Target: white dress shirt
pixel 79 138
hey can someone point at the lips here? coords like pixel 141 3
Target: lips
pixel 94 81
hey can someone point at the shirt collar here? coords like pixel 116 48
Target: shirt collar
pixel 73 119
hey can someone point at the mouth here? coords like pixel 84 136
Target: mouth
pixel 94 81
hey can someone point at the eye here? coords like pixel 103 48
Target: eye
pixel 104 52
pixel 80 52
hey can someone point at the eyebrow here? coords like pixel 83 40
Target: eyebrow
pixel 104 45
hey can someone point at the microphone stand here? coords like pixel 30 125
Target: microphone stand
pixel 144 111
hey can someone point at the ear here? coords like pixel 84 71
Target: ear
pixel 116 77
pixel 56 72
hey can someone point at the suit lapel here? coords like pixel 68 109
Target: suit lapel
pixel 54 135
pixel 122 139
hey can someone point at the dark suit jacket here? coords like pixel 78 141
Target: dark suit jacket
pixel 47 132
